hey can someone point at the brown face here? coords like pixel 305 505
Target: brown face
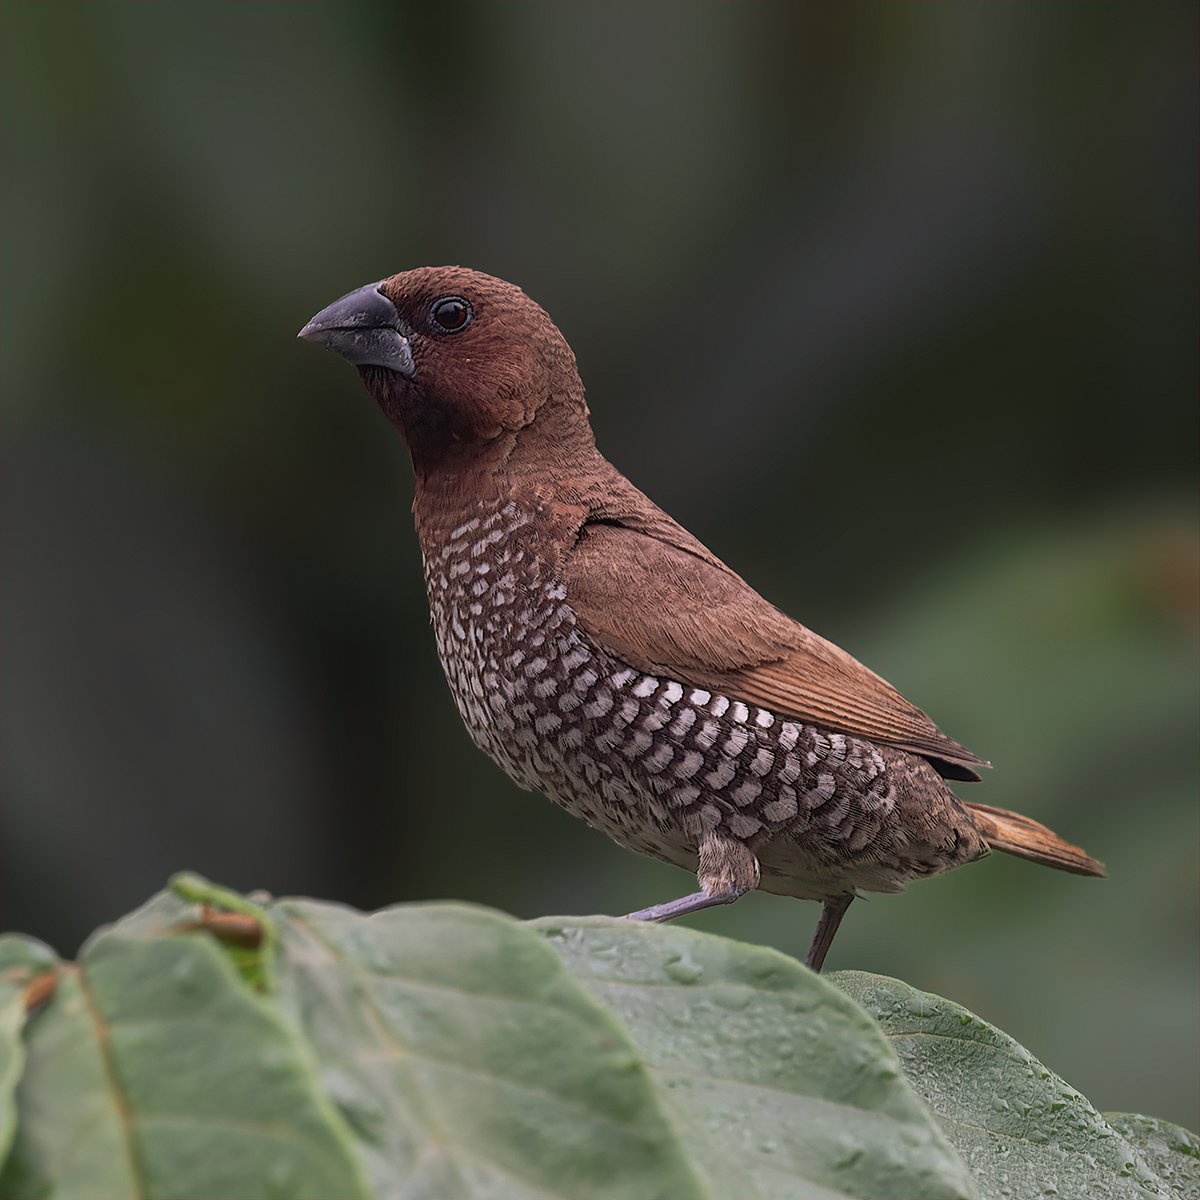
pixel 454 358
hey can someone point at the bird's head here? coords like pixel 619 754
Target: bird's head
pixel 457 360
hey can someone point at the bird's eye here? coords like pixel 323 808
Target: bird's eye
pixel 451 313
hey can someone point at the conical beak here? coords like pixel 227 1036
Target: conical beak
pixel 364 328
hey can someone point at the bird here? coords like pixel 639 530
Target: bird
pixel 602 655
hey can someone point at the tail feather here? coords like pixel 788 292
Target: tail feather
pixel 1026 838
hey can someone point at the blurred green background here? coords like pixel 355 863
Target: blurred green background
pixel 894 306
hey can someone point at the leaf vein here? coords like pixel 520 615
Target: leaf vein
pixel 120 1101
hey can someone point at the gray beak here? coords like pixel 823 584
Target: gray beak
pixel 364 328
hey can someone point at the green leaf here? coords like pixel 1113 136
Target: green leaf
pixel 156 1072
pixel 72 1138
pixel 447 1052
pixel 778 1086
pixel 1173 1153
pixel 21 960
pixel 1021 1129
pixel 468 1061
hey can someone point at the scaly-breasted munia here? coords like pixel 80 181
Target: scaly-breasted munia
pixel 602 655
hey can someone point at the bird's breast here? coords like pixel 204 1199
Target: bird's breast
pixel 507 640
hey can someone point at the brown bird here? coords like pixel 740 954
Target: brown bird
pixel 602 655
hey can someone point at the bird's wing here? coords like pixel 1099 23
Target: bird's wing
pixel 662 602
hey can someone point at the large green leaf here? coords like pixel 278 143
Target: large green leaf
pixel 447 1052
pixel 72 1140
pixel 154 1071
pixel 470 1063
pixel 1021 1129
pixel 1173 1153
pixel 779 1087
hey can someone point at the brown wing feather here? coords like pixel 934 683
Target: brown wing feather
pixel 665 604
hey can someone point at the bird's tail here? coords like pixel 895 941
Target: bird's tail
pixel 1024 837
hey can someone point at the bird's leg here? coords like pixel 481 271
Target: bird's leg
pixel 728 870
pixel 684 905
pixel 832 912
